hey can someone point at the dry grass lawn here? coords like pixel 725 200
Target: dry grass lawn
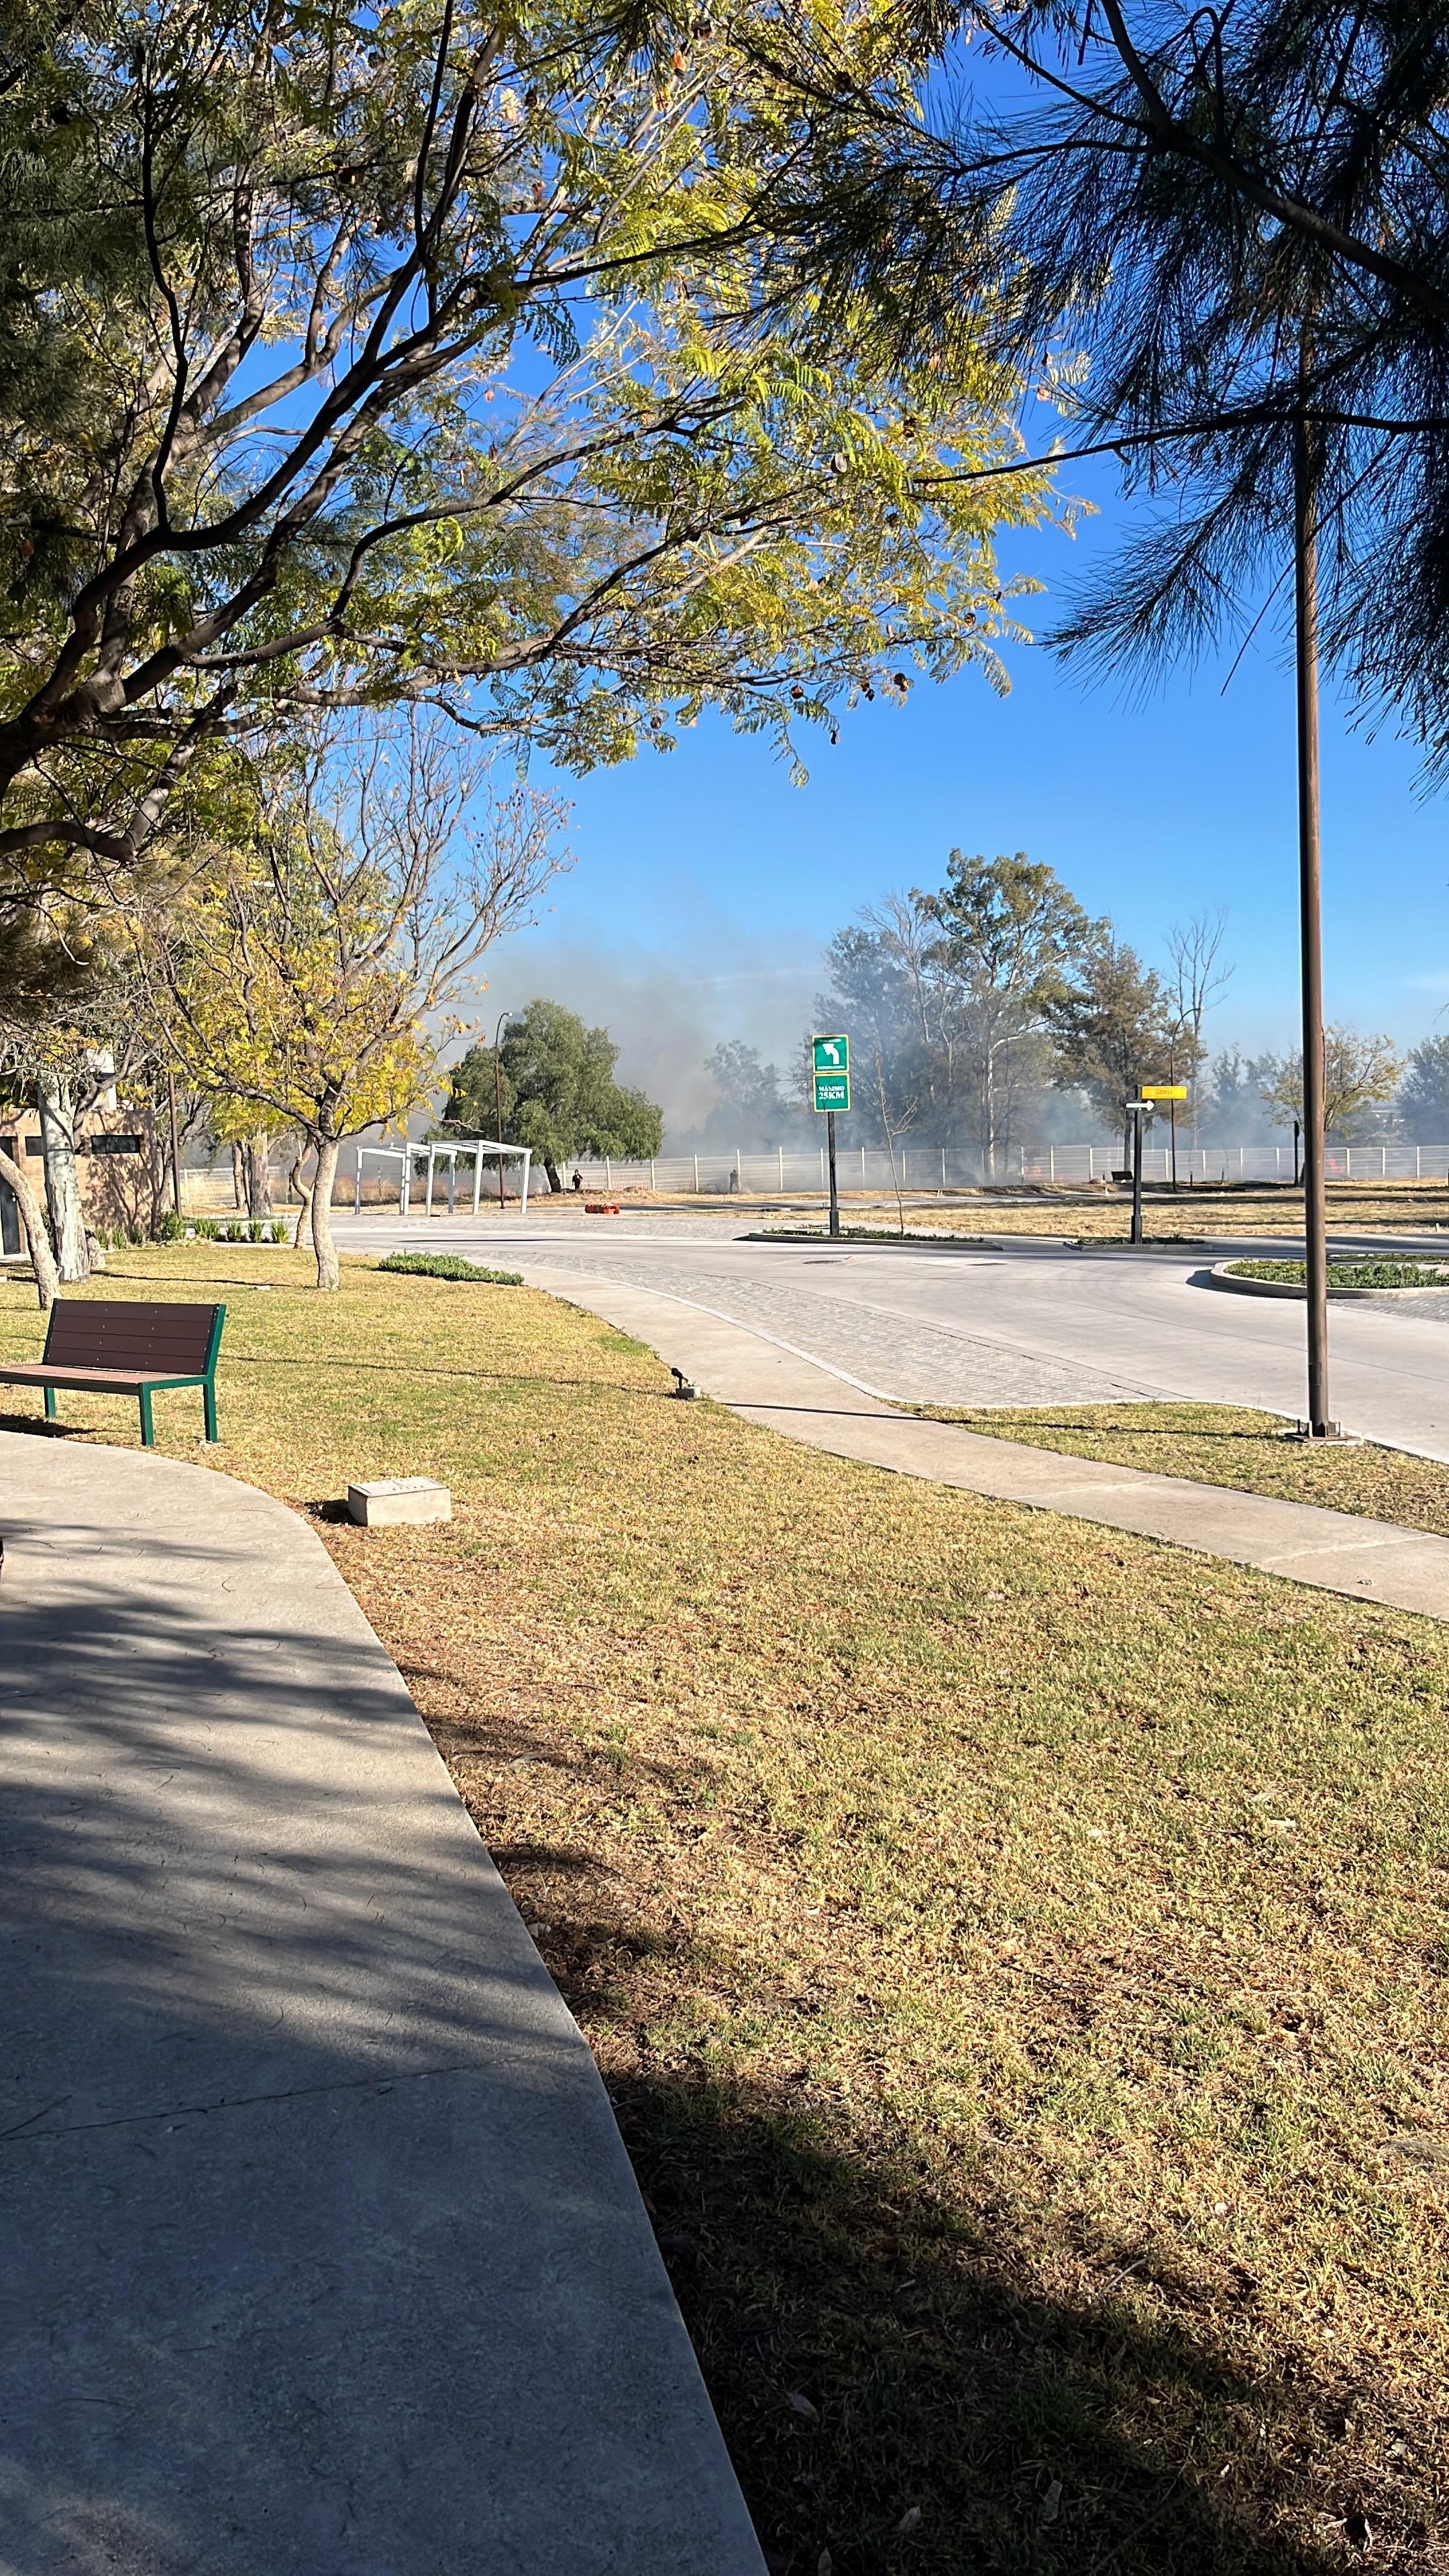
pixel 1226 1444
pixel 1021 1978
pixel 1411 1207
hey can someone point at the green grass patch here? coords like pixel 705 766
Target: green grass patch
pixel 1347 1274
pixel 449 1265
pixel 1016 1950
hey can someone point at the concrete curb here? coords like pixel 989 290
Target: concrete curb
pixel 782 1390
pixel 320 2253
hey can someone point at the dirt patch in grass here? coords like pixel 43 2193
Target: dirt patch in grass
pixel 1017 1951
pixel 1226 1444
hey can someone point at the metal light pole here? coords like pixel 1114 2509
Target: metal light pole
pixel 1315 1199
pixel 1138 1111
pixel 498 1097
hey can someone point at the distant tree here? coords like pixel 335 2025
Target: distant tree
pixel 307 971
pixel 1358 1072
pixel 878 996
pixel 1199 978
pixel 1005 933
pixel 559 1093
pixel 1235 1110
pixel 474 1094
pixel 749 1108
pixel 1424 1093
pixel 105 1045
pixel 1112 1027
pixel 945 995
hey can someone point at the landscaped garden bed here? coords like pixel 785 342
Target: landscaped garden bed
pixel 1364 1277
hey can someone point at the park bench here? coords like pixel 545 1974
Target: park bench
pixel 126 1348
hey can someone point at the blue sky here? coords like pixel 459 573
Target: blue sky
pixel 707 884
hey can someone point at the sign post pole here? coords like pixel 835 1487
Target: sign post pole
pixel 830 1080
pixel 1171 1092
pixel 1138 1115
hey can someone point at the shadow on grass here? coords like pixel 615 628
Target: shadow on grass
pixel 897 2391
pixel 36 1423
pixel 1025 2434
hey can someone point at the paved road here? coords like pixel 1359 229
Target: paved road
pixel 320 2254
pixel 1022 1323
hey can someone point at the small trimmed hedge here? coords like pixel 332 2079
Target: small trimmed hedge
pixel 1348 1274
pixel 449 1265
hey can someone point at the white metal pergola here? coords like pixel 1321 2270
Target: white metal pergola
pixel 436 1151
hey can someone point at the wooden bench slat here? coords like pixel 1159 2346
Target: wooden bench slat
pixel 128 1381
pixel 130 1335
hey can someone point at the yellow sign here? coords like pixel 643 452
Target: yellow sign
pixel 1164 1091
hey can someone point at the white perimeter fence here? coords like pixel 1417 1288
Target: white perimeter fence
pixel 918 1167
pixel 935 1167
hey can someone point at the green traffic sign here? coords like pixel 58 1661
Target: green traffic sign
pixel 830 1055
pixel 832 1091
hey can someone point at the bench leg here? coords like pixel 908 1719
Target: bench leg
pixel 208 1399
pixel 148 1428
pixel 49 1394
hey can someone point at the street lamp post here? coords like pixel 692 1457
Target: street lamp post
pixel 498 1099
pixel 1315 1195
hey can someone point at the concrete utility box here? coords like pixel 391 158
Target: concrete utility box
pixel 399 1498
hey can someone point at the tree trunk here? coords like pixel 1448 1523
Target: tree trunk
pixel 328 1273
pixel 257 1157
pixel 32 1221
pixel 238 1177
pixel 62 1182
pixel 555 1180
pixel 301 1231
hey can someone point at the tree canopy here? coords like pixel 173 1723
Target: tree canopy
pixel 560 1097
pixel 1112 1025
pixel 1241 215
pixel 1424 1095
pixel 443 358
pixel 948 994
pixel 306 972
pixel 1359 1073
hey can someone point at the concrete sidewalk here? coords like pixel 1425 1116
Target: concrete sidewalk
pixel 319 2249
pixel 770 1383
